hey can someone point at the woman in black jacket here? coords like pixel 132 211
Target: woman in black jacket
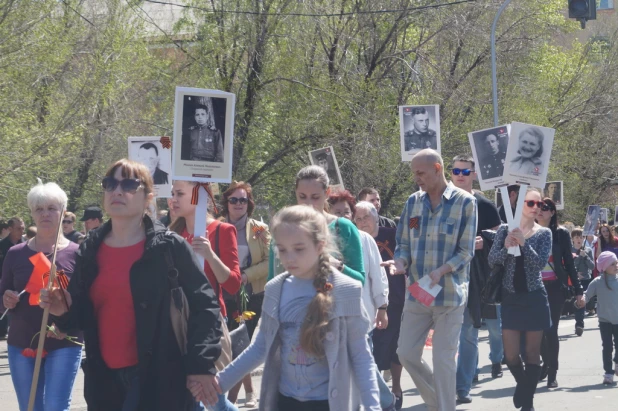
pixel 120 297
pixel 556 274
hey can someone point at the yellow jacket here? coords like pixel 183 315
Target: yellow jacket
pixel 258 239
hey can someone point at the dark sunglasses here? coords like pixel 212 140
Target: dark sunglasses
pixel 466 171
pixel 539 204
pixel 241 200
pixel 128 185
pixel 67 222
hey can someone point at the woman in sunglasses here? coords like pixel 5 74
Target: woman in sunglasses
pixel 120 297
pixel 253 240
pixel 525 310
pixel 560 267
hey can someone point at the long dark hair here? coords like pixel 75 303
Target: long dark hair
pixel 612 240
pixel 553 223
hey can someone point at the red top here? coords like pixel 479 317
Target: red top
pixel 113 304
pixel 228 253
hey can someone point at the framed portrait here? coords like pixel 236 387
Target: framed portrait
pixel 203 135
pixel 604 215
pixel 156 154
pixel 528 154
pixel 497 198
pixel 419 129
pixel 554 190
pixel 325 158
pixel 592 219
pixel 489 152
pixel 616 215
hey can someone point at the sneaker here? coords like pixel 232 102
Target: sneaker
pixel 579 331
pixel 387 375
pixel 250 401
pixel 552 383
pixel 496 370
pixel 464 399
pixel 608 379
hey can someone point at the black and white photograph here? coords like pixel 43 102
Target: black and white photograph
pixel 203 135
pixel 604 216
pixel 592 219
pixel 489 152
pixel 615 215
pixel 554 190
pixel 156 154
pixel 528 154
pixel 325 158
pixel 498 198
pixel 419 129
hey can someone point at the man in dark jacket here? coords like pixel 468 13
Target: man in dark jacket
pixel 487 218
pixel 16 231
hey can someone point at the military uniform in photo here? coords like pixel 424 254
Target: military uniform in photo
pixel 414 140
pixel 206 144
pixel 493 165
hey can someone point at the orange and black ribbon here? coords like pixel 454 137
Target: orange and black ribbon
pixel 165 142
pixel 196 193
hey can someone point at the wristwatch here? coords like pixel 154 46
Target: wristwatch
pixel 384 307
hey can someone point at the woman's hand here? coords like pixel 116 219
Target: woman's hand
pixel 10 299
pixel 518 235
pixel 202 247
pixel 54 301
pixel 54 332
pixel 204 388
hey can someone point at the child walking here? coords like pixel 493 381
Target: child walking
pixel 605 287
pixel 312 333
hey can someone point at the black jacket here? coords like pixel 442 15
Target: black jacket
pixel 479 273
pixel 161 368
pixel 564 265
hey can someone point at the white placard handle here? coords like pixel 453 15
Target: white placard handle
pixel 201 213
pixel 514 220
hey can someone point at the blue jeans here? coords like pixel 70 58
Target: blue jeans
pixel 222 405
pixel 58 371
pixel 496 350
pixel 468 355
pixel 387 398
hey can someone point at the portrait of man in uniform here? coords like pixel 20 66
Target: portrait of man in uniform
pixel 203 141
pixel 420 129
pixel 154 152
pixel 489 150
pixel 325 158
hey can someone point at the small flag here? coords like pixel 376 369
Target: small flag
pixel 36 282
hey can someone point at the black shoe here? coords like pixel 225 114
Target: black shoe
pixel 579 331
pixel 544 371
pixel 398 401
pixel 464 399
pixel 476 378
pixel 552 383
pixel 496 370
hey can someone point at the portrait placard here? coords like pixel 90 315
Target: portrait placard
pixel 604 216
pixel 203 135
pixel 527 155
pixel 497 198
pixel 616 215
pixel 156 154
pixel 592 219
pixel 489 152
pixel 555 191
pixel 325 158
pixel 419 129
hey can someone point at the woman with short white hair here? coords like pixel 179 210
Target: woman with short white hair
pixel 61 357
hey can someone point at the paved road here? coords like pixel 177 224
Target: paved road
pixel 580 380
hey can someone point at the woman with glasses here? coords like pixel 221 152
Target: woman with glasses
pixel 120 296
pixel 559 268
pixel 253 240
pixel 525 309
pixel 61 357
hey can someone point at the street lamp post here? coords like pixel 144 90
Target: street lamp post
pixel 494 79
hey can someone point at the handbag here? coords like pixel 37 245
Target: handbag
pixel 179 314
pixel 492 292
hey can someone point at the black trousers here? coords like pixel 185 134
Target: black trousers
pixel 292 404
pixel 4 326
pixel 550 346
pixel 609 332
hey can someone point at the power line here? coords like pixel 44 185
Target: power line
pixel 350 13
pixel 77 12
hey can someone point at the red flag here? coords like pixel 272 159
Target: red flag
pixel 41 266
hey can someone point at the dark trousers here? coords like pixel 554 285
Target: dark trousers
pixel 4 326
pixel 580 313
pixel 609 331
pixel 292 404
pixel 550 346
pixel 255 305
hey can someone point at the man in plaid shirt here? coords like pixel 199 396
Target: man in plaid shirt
pixel 435 239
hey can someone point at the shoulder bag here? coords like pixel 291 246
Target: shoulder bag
pixel 492 292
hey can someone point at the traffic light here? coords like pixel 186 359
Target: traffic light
pixel 583 10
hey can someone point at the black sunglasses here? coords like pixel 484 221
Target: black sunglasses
pixel 67 222
pixel 241 200
pixel 128 185
pixel 466 171
pixel 539 204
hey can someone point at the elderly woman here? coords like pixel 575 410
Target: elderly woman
pixel 385 340
pixel 121 296
pixel 530 151
pixel 253 240
pixel 61 356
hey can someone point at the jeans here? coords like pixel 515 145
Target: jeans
pixel 609 331
pixel 468 355
pixel 580 313
pixel 222 405
pixel 56 378
pixel 494 327
pixel 387 398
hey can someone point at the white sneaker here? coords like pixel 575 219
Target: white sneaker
pixel 250 401
pixel 608 379
pixel 388 376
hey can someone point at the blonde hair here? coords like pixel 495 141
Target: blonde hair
pixel 314 224
pixel 179 224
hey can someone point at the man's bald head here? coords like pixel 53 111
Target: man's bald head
pixel 429 156
pixel 428 170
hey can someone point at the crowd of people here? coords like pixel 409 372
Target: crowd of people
pixel 323 293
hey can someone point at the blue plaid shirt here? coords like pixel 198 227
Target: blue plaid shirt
pixel 428 239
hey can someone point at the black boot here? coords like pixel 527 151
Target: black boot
pixel 532 379
pixel 520 377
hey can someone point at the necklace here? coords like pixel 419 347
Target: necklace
pixel 529 231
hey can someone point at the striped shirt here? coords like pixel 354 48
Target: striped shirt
pixel 428 239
